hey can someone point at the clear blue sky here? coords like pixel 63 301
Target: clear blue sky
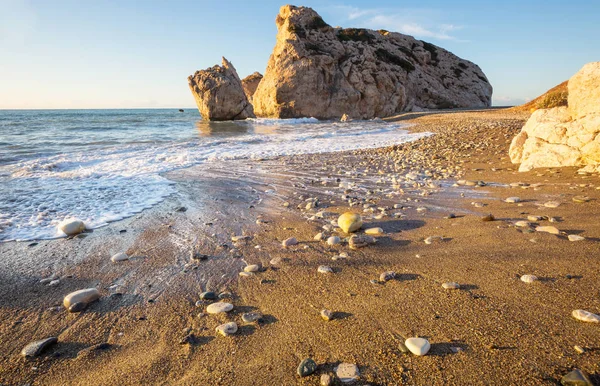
pixel 104 54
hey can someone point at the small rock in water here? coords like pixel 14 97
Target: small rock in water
pixel 71 226
pixel 349 222
pixel 208 295
pixel 252 268
pixel 548 229
pixel 451 285
pixel 289 242
pixel 306 367
pixel 219 307
pixel 387 276
pixel 488 217
pixel 34 349
pixel 324 269
pixel 512 200
pixel 528 278
pixel 576 238
pixel 417 346
pixel 84 296
pixel 374 231
pixel 121 256
pixel 333 240
pixel 586 316
pixel 347 372
pixel 576 378
pixel 326 380
pixel 227 328
pixel 326 315
pixel 251 317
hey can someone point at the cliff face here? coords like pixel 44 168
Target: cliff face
pixel 324 72
pixel 219 94
pixel 250 84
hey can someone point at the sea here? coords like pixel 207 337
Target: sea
pixel 105 165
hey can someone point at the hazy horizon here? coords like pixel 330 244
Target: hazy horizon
pixel 72 55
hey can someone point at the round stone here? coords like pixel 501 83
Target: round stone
pixel 576 238
pixel 333 240
pixel 84 296
pixel 387 276
pixel 374 231
pixel 349 222
pixel 289 242
pixel 251 317
pixel 208 295
pixel 552 204
pixel 522 224
pixel 246 274
pixel 513 200
pixel 71 227
pixel 528 278
pixel 347 372
pixel 417 346
pixel 585 316
pixel 252 268
pixel 227 329
pixel 548 229
pixel 326 315
pixel 324 269
pixel 34 349
pixel 451 285
pixel 306 367
pixel 326 380
pixel 219 307
pixel 121 256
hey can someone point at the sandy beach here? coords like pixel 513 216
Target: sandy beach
pixel 151 327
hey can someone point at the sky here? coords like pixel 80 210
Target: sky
pixel 138 54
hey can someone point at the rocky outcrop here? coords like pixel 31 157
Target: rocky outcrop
pixel 219 93
pixel 320 71
pixel 564 136
pixel 250 83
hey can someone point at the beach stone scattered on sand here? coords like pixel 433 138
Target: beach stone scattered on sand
pixel 275 261
pixel 552 204
pixel 333 240
pixel 528 278
pixel 34 349
pixel 451 285
pixel 324 269
pixel 71 226
pixel 208 295
pixel 512 200
pixel 586 316
pixel 219 307
pixel 121 256
pixel 84 296
pixel 488 217
pixel 387 276
pixel 576 238
pixel 326 315
pixel 289 242
pixel 535 218
pixel 360 241
pixel 349 222
pixel 548 229
pixel 347 372
pixel 432 239
pixel 252 268
pixel 326 380
pixel 576 378
pixel 581 199
pixel 417 346
pixel 319 236
pixel 374 231
pixel 251 317
pixel 522 224
pixel 306 367
pixel 245 274
pixel 227 328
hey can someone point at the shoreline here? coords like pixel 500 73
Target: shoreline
pixel 495 329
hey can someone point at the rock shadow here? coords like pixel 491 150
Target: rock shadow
pixel 443 349
pixel 468 287
pixel 393 226
pixel 340 315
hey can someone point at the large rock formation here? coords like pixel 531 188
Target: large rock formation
pixel 564 136
pixel 324 72
pixel 219 93
pixel 250 83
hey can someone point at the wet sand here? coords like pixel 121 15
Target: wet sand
pixel 495 329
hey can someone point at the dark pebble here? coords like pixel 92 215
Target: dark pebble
pixel 208 295
pixel 306 367
pixel 34 349
pixel 77 307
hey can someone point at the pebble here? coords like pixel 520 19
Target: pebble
pixel 417 346
pixel 326 380
pixel 219 307
pixel 522 224
pixel 360 241
pixel 324 269
pixel 71 226
pixel 488 217
pixel 451 285
pixel 552 204
pixel 34 349
pixel 347 372
pixel 535 218
pixel 512 200
pixel 580 199
pixel 239 238
pixel 252 268
pixel 579 349
pixel 333 240
pixel 548 229
pixel 576 238
pixel 85 296
pixel 349 222
pixel 275 261
pixel 326 315
pixel 251 317
pixel 306 367
pixel 54 283
pixel 576 378
pixel 289 242
pixel 374 231
pixel 528 278
pixel 246 274
pixel 319 236
pixel 387 276
pixel 432 239
pixel 227 328
pixel 585 316
pixel 208 295
pixel 121 256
